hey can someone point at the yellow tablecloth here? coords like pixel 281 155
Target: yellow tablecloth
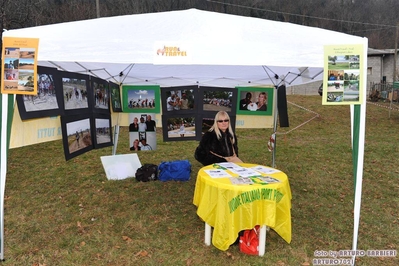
pixel 231 208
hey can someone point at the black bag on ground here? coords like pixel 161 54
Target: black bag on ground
pixel 147 172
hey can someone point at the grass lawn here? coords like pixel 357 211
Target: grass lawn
pixel 61 212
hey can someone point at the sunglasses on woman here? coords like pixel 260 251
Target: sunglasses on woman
pixel 221 121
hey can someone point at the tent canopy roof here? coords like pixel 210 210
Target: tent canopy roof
pixel 222 50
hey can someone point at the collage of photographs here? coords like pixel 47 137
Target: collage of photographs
pixel 343 78
pixel 142 132
pixel 188 112
pixel 18 68
pixel 84 104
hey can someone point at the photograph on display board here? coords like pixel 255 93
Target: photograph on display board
pixel 179 127
pixel 142 141
pixel 255 101
pixel 342 79
pixel 115 97
pixel 26 67
pixel 26 79
pixel 48 101
pixel 142 122
pixel 76 90
pixel 343 85
pixel 178 99
pixel 11 72
pixel 76 135
pixel 100 96
pixel 102 130
pixel 19 72
pixel 214 99
pixel 139 99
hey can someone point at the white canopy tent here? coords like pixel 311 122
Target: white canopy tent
pixel 222 50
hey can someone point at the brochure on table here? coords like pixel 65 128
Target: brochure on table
pixel 217 173
pixel 246 176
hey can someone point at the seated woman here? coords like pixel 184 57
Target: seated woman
pixel 219 143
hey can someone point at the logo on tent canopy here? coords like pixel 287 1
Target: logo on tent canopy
pixel 171 51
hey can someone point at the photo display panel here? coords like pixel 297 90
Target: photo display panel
pixel 100 97
pixel 102 130
pixel 76 134
pixel 48 101
pixel 76 93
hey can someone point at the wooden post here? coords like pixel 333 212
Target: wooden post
pixel 394 67
pixel 98 8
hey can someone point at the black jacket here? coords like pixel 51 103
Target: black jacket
pixel 210 142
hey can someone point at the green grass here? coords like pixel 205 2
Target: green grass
pixel 68 213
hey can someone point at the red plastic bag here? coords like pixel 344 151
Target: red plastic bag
pixel 249 241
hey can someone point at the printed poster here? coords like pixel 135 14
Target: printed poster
pixel 342 82
pixel 19 66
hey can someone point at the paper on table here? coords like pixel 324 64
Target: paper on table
pixel 268 179
pixel 229 166
pixel 217 173
pixel 245 172
pixel 265 170
pixel 241 180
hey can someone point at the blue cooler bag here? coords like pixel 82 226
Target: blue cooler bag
pixel 174 170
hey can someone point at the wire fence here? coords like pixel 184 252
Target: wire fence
pixel 384 94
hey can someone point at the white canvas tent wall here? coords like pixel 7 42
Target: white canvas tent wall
pixel 225 50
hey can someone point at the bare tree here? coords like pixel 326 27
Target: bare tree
pixel 14 14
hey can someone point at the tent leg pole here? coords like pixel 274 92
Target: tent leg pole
pixel 116 136
pixel 275 128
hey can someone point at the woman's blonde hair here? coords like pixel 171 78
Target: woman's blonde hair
pixel 263 93
pixel 219 115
